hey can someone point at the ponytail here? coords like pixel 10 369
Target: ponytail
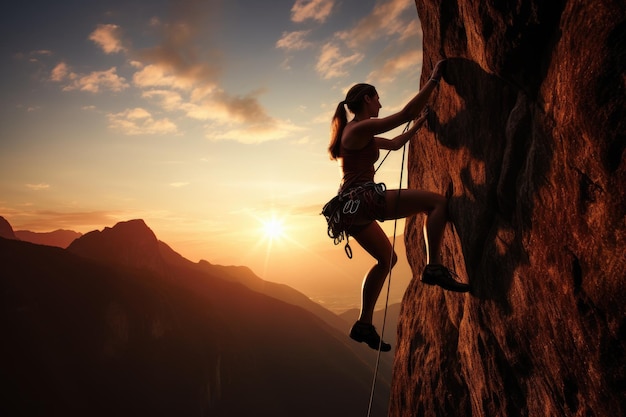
pixel 354 100
pixel 340 119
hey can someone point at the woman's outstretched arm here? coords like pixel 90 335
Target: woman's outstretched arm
pixel 399 141
pixel 410 111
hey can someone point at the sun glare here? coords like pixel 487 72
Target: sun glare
pixel 273 229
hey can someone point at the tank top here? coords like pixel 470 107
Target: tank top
pixel 357 165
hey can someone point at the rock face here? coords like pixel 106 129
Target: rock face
pixel 526 137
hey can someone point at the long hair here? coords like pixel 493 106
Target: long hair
pixel 354 100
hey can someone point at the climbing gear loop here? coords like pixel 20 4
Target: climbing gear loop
pixel 341 211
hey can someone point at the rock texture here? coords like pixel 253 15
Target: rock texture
pixel 527 138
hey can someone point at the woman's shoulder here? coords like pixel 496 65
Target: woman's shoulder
pixel 354 138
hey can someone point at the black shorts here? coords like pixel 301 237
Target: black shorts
pixel 355 229
pixel 353 209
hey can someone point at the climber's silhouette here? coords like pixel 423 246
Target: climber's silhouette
pixel 360 201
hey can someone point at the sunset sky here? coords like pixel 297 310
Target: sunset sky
pixel 208 119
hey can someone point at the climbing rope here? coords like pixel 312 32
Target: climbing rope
pixel 393 248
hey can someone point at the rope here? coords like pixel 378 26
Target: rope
pixel 393 248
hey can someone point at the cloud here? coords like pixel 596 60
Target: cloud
pixel 246 108
pixel 178 60
pixel 96 81
pixel 183 74
pixel 38 187
pixel 139 121
pixel 219 107
pixel 317 10
pixel 294 41
pixel 108 37
pixel 392 67
pixel 152 76
pixel 255 133
pixel 387 18
pixel 411 30
pixel 60 72
pixel 180 73
pixel 178 184
pixel 333 63
pixel 346 48
pixel 93 82
pixel 168 100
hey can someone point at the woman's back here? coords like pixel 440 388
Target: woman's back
pixel 357 165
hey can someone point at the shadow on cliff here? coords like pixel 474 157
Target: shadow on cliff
pixel 501 128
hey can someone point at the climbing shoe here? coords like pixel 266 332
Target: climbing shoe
pixel 440 275
pixel 363 332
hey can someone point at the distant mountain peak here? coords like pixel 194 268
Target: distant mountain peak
pixel 129 243
pixel 6 231
pixel 60 238
pixel 131 225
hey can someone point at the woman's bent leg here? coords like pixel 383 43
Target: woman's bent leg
pixel 374 240
pixel 409 202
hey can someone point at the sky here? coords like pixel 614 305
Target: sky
pixel 207 119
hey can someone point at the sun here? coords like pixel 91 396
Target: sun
pixel 273 228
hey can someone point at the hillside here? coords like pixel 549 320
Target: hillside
pixel 59 238
pixel 133 244
pixel 95 337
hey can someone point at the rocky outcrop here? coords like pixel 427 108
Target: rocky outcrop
pixel 526 137
pixel 130 243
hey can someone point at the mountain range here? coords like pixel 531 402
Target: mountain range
pixel 120 324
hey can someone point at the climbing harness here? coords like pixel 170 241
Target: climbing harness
pixel 341 210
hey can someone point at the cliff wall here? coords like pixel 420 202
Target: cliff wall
pixel 526 137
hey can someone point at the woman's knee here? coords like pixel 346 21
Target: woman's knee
pixel 388 261
pixel 440 203
pixel 394 259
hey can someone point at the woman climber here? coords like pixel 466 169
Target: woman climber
pixel 361 202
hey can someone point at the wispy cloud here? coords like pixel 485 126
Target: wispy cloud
pixel 93 82
pixel 294 41
pixel 154 75
pixel 255 133
pixel 167 99
pixel 345 49
pixel 35 56
pixel 392 67
pixel 387 18
pixel 139 121
pixel 317 10
pixel 333 62
pixel 60 72
pixel 108 37
pixel 38 187
pixel 178 184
